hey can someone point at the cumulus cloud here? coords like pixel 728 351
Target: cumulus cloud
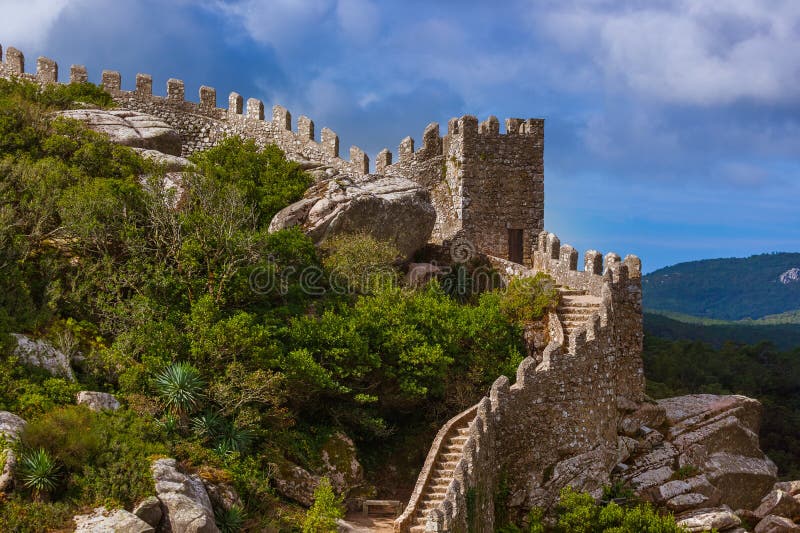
pixel 686 51
pixel 278 23
pixel 27 24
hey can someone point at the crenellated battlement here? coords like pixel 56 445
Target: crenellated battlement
pixel 561 262
pixel 203 124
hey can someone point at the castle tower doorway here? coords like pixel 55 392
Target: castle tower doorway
pixel 515 241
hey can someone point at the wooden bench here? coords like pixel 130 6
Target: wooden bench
pixel 393 506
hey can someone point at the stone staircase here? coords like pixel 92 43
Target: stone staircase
pixel 441 474
pixel 575 308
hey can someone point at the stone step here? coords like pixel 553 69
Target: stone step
pixel 417 528
pixel 430 504
pixel 582 302
pixel 570 292
pixel 457 439
pixel 576 308
pixel 575 318
pixel 463 431
pixel 446 465
pixel 442 474
pixel 447 456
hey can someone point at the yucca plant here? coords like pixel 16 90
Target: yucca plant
pixel 235 439
pixel 230 520
pixel 208 425
pixel 181 387
pixel 39 472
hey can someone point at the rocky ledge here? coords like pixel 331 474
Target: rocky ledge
pixel 698 457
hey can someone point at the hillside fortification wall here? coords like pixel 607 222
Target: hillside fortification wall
pixel 557 424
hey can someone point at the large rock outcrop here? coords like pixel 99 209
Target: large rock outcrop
pixel 10 427
pixel 718 436
pixel 130 128
pixel 41 354
pixel 186 505
pixel 698 456
pixel 118 521
pixel 388 208
pixel 98 401
pixel 339 464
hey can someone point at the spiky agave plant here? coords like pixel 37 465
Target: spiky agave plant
pixel 230 520
pixel 39 472
pixel 234 438
pixel 181 387
pixel 208 424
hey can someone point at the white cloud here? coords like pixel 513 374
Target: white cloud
pixel 358 19
pixel 279 23
pixel 27 24
pixel 687 51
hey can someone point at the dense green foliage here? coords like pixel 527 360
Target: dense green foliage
pixel 527 299
pixel 674 368
pixel 717 332
pixel 229 347
pixel 578 512
pixel 729 289
pixel 266 179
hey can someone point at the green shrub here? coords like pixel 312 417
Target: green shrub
pixel 685 472
pixel 105 456
pixel 264 175
pixel 528 299
pixel 578 513
pixel 326 510
pixel 29 391
pixel 19 515
pixel 359 263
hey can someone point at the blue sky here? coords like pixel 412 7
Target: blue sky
pixel 672 126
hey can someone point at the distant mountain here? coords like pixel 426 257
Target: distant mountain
pixel 727 289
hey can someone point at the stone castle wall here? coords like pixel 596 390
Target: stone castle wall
pixel 557 424
pixel 482 182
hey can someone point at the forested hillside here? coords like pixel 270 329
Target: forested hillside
pixel 784 335
pixel 727 289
